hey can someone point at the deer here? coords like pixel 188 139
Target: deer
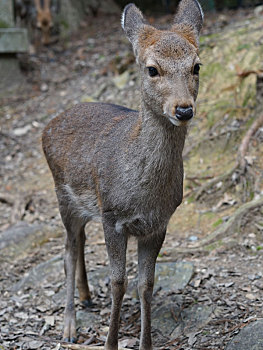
pixel 44 19
pixel 124 167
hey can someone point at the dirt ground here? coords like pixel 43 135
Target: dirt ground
pixel 96 64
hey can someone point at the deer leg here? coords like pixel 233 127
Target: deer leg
pixel 82 281
pixel 116 244
pixel 73 231
pixel 147 254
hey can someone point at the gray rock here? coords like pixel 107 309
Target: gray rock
pixel 168 276
pixel 18 239
pixel 173 276
pixel 48 271
pixel 192 319
pixel 86 318
pixel 172 321
pixel 250 337
pixel 13 40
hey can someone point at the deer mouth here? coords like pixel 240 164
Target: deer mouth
pixel 175 121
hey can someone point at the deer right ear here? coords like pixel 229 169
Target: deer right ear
pixel 191 14
pixel 132 22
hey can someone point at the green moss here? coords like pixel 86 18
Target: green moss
pixel 213 246
pixel 243 47
pixel 64 24
pixel 3 24
pixel 217 223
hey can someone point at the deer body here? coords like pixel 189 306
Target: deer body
pixel 125 167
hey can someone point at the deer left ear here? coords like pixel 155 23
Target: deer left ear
pixel 190 13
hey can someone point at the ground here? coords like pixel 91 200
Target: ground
pixel 217 229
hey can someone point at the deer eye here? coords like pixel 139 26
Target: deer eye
pixel 152 71
pixel 196 69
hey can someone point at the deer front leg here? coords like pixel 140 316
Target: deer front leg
pixel 116 244
pixel 148 251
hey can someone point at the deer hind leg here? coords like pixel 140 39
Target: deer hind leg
pixel 74 227
pixel 148 251
pixel 116 244
pixel 82 281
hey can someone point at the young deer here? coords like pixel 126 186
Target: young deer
pixel 126 167
pixel 44 19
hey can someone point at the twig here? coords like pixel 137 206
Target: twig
pixel 245 142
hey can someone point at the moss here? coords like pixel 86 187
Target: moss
pixel 3 24
pixel 217 223
pixel 213 246
pixel 243 47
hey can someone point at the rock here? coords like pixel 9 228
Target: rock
pixel 43 273
pixel 250 337
pixel 173 276
pixel 22 131
pixel 87 98
pixel 121 80
pixel 258 11
pixel 44 87
pixel 192 319
pixel 172 321
pixel 86 319
pixel 168 277
pixel 18 239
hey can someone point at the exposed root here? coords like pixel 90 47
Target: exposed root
pixel 85 347
pixel 241 158
pixel 214 181
pixel 226 229
pixel 241 165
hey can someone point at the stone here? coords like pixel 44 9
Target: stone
pixel 19 238
pixel 173 276
pixel 192 319
pixel 168 276
pixel 121 80
pixel 85 319
pixel 48 271
pixel 13 40
pixel 172 321
pixel 249 337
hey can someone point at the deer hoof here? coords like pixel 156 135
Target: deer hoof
pixel 87 303
pixel 70 340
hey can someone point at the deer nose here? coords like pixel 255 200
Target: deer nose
pixel 184 113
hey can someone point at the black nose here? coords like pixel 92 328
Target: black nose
pixel 184 113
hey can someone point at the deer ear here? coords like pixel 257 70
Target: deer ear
pixel 190 13
pixel 132 22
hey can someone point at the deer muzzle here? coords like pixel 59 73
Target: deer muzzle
pixel 184 113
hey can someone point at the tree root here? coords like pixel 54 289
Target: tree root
pixel 241 165
pixel 245 142
pixel 214 181
pixel 226 229
pixel 86 347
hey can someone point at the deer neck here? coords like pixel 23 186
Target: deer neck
pixel 159 135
